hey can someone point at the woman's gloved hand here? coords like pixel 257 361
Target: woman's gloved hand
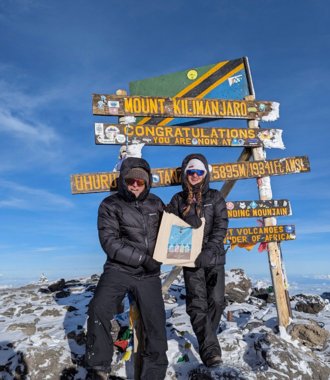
pixel 204 259
pixel 193 220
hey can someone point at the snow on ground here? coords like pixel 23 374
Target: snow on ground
pixel 42 336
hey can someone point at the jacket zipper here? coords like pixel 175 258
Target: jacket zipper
pixel 144 225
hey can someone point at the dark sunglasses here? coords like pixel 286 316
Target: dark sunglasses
pixel 196 171
pixel 131 181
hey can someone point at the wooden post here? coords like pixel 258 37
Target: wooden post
pixel 274 253
pixel 135 316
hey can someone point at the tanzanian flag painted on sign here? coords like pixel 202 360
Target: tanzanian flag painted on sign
pixel 223 80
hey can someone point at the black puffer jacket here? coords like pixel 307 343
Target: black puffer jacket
pixel 128 226
pixel 213 210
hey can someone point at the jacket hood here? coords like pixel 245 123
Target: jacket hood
pixel 185 161
pixel 128 164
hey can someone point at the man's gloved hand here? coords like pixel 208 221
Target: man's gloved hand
pixel 204 259
pixel 150 264
pixel 193 220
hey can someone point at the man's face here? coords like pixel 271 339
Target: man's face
pixel 135 186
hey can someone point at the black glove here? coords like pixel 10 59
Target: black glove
pixel 168 208
pixel 204 259
pixel 193 220
pixel 150 264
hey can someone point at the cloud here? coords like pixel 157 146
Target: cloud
pixel 46 249
pixel 26 138
pixel 29 198
pixel 28 132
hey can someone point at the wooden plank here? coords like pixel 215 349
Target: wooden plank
pixel 117 105
pixel 258 209
pixel 273 248
pixel 251 235
pixel 113 134
pixel 105 181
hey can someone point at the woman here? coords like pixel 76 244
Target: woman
pixel 205 284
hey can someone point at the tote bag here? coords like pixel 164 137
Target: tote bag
pixel 178 243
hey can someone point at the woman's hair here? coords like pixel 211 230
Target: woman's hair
pixel 194 196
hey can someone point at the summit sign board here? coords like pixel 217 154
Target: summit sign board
pixel 186 135
pixel 106 181
pixel 118 105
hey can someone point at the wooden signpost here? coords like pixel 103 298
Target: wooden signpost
pixel 164 106
pixel 100 182
pixel 116 105
pixel 186 135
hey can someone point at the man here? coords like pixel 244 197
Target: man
pixel 128 223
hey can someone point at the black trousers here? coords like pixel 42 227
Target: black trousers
pixel 110 291
pixel 205 304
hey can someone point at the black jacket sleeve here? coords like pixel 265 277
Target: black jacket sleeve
pixel 115 246
pixel 219 226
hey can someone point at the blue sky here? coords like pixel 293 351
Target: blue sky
pixel 56 54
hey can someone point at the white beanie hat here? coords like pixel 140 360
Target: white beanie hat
pixel 195 164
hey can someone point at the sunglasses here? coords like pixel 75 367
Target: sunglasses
pixel 195 171
pixel 131 181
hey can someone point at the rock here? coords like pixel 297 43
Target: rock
pixel 326 296
pixel 63 294
pixel 73 283
pixel 46 363
pixel 308 304
pixel 203 373
pixel 70 308
pixel 59 285
pixel 238 286
pixel 27 328
pixel 44 290
pixel 9 312
pixel 287 360
pixel 51 313
pixel 310 335
pixel 265 294
pixel 256 301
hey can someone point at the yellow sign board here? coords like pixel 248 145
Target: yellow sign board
pixel 101 182
pixel 117 105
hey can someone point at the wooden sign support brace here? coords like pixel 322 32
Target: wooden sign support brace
pixel 274 253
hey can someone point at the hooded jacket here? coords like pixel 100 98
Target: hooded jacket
pixel 213 210
pixel 127 225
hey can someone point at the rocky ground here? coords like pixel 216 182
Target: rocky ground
pixel 43 331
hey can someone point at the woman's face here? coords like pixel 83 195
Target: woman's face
pixel 195 176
